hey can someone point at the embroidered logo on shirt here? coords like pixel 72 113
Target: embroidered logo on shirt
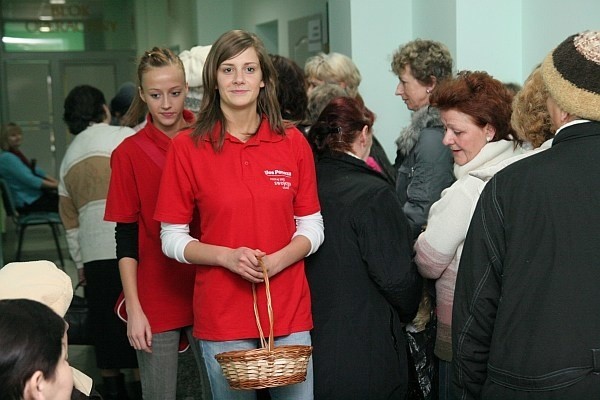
pixel 279 178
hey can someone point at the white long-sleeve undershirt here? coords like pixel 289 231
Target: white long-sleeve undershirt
pixel 175 237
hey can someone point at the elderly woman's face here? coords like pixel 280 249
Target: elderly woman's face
pixel 15 137
pixel 413 92
pixel 463 136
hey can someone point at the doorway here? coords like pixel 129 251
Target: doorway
pixel 35 86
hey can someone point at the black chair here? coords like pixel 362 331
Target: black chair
pixel 23 221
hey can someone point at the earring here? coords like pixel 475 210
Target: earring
pixel 488 139
pixel 428 91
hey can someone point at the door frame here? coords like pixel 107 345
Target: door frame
pixel 124 66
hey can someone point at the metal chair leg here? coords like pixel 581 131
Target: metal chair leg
pixel 20 243
pixel 55 235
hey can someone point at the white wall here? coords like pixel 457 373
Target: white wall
pixel 165 23
pixel 377 29
pixel 340 27
pixel 248 14
pixel 214 17
pixel 546 23
pixel 435 20
pixel 488 37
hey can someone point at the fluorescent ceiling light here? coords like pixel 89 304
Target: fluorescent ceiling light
pixel 14 40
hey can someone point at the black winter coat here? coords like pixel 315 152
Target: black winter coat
pixel 363 284
pixel 526 316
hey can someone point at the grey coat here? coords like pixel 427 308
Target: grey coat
pixel 424 166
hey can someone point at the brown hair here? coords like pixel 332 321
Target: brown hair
pixel 158 57
pixel 229 45
pixel 480 96
pixel 291 88
pixel 340 122
pixel 530 118
pixel 426 58
pixel 4 132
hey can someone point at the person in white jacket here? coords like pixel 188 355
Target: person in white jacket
pixel 475 110
pixel 83 186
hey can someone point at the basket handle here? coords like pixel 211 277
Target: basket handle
pixel 269 309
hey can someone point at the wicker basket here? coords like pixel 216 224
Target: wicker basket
pixel 268 366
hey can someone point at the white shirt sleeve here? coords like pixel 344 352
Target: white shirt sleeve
pixel 311 226
pixel 174 238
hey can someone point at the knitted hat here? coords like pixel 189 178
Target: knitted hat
pixel 193 62
pixel 571 72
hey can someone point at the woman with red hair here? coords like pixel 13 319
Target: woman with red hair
pixel 476 111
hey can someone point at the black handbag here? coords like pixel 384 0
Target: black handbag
pixel 77 317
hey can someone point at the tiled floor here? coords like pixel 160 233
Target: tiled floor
pixel 39 245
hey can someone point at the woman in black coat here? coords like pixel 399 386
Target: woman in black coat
pixel 362 281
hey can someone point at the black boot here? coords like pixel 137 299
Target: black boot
pixel 114 388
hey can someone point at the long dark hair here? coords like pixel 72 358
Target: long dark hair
pixel 30 340
pixel 229 45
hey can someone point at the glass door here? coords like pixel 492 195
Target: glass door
pixel 29 88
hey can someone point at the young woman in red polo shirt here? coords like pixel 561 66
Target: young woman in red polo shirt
pixel 252 181
pixel 158 290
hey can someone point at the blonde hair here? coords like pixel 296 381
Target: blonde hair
pixel 334 68
pixel 156 58
pixel 530 118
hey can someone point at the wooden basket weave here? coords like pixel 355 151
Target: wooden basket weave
pixel 268 366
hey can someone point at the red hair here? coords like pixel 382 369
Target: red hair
pixel 338 125
pixel 480 96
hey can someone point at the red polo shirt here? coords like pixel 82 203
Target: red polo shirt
pixel 165 287
pixel 246 195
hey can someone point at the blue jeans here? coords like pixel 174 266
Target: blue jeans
pixel 445 381
pixel 218 382
pixel 158 370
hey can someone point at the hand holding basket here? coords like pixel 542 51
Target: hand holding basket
pixel 268 366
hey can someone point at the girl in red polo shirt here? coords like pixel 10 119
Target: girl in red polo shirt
pixel 158 290
pixel 252 181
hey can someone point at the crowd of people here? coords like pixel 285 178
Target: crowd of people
pixel 464 269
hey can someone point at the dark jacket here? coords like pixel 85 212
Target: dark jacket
pixel 378 154
pixel 425 166
pixel 362 283
pixel 526 317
